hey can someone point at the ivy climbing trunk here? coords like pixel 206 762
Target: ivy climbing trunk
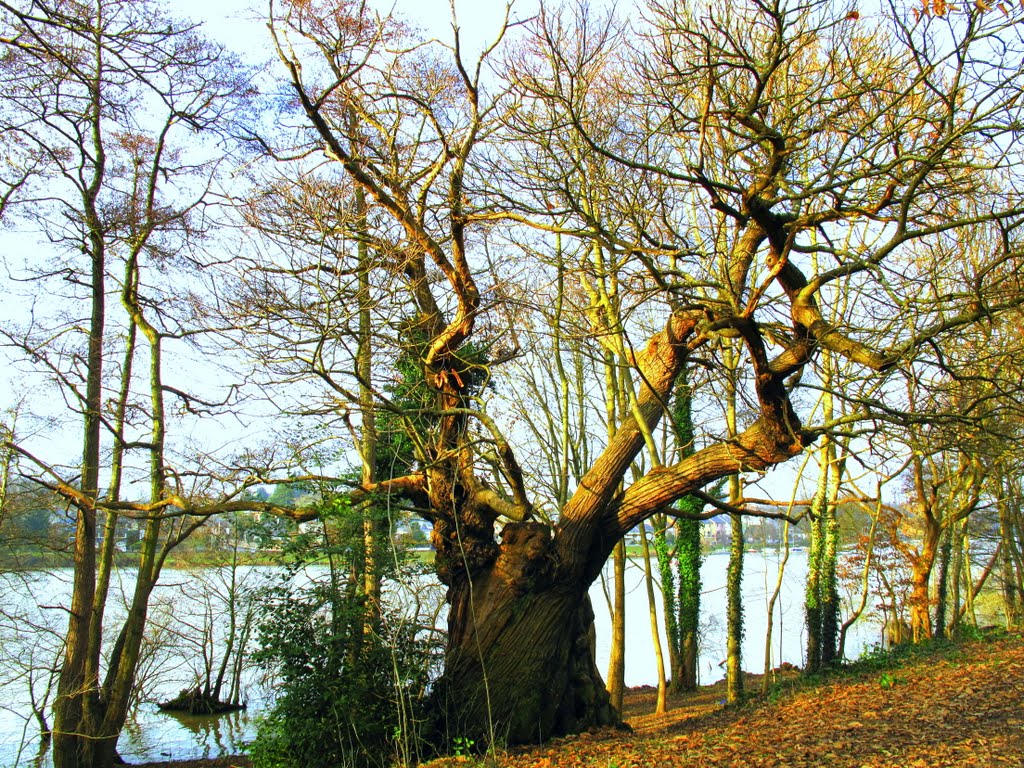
pixel 821 604
pixel 734 615
pixel 734 576
pixel 682 589
pixel 688 562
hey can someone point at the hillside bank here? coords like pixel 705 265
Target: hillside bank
pixel 944 705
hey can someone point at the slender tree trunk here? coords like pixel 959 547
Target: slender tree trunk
pixel 812 599
pixel 975 590
pixel 73 712
pixel 822 593
pixel 617 658
pixel 865 582
pixel 828 582
pixel 942 589
pixel 956 541
pixel 688 558
pixel 124 657
pixel 665 557
pixel 105 560
pixel 968 576
pixel 232 609
pixel 734 580
pixel 373 523
pixel 734 614
pixel 114 700
pixel 1013 596
pixel 564 446
pixel 659 656
pixel 769 629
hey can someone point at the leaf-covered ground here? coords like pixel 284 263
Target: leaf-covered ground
pixel 953 705
pixel 958 705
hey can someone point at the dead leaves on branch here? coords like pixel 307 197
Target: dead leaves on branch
pixel 943 8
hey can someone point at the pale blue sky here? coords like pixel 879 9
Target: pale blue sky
pixel 240 24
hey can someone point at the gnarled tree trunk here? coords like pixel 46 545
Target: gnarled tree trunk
pixel 520 662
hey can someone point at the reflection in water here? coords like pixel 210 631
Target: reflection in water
pixel 32 620
pixel 156 735
pixel 150 736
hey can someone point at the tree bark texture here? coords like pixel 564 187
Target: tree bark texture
pixel 920 578
pixel 520 660
pixel 617 657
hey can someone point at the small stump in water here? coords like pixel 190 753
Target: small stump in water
pixel 195 702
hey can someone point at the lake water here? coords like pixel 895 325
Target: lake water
pixel 760 574
pixel 32 618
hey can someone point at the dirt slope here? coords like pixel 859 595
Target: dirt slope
pixel 957 706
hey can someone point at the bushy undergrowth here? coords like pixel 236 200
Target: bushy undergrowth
pixel 349 693
pixel 345 698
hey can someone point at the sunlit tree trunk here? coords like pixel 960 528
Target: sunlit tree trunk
pixel 520 666
pixel 734 612
pixel 734 574
pixel 617 654
pixel 921 570
pixel 659 655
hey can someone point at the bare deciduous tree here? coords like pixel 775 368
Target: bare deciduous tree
pixel 733 163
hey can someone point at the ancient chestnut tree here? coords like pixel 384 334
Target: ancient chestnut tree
pixel 723 169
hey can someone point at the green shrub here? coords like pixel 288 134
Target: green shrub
pixel 347 694
pixel 345 698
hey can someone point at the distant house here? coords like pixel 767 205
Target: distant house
pixel 715 532
pixel 632 538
